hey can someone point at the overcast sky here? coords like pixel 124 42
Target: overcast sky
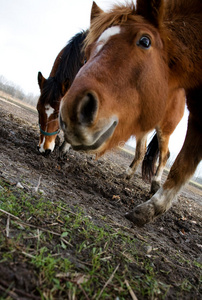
pixel 32 32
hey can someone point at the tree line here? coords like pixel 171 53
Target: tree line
pixel 15 91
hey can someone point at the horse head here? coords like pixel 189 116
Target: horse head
pixel 66 65
pixel 48 109
pixel 123 87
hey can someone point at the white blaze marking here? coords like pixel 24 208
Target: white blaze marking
pixel 105 36
pixel 41 149
pixel 49 110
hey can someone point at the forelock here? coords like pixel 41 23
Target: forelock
pixel 118 15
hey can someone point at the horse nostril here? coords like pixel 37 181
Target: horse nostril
pixel 88 108
pixel 47 152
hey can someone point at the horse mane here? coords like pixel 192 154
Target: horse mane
pixel 72 58
pixel 66 66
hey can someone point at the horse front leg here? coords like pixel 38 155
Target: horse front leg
pixel 182 169
pixel 139 155
pixel 172 117
pixel 163 157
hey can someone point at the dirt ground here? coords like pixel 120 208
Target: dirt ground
pixel 98 187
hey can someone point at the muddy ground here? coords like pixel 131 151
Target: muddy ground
pixel 99 188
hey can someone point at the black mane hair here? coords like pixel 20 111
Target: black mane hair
pixel 72 58
pixel 70 62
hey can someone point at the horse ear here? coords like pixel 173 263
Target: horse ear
pixel 95 11
pixel 64 87
pixel 41 80
pixel 152 10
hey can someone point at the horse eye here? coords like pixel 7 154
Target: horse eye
pixel 144 42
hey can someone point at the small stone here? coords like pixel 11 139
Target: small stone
pixel 19 185
pixel 148 249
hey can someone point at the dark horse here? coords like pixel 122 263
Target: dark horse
pixel 137 58
pixel 66 66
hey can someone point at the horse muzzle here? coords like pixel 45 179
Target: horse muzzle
pixel 82 127
pixel 102 137
pixel 45 153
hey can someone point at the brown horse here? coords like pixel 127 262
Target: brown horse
pixel 138 58
pixel 66 66
pixel 158 147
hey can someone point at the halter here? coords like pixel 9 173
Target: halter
pixel 48 133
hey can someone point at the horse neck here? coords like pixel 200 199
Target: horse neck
pixel 72 59
pixel 69 60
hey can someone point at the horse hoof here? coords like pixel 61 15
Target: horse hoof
pixel 142 214
pixel 127 177
pixel 155 186
pixel 124 176
pixel 64 149
pixel 128 174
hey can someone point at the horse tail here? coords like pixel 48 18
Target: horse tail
pixel 150 158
